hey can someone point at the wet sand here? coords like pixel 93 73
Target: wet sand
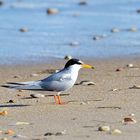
pixel 88 107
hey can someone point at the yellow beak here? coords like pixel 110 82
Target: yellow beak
pixel 87 66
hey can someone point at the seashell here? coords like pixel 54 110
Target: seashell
pixel 104 128
pixel 133 29
pixel 132 114
pixel 130 65
pixel 86 83
pixel 135 87
pixel 60 133
pixel 37 95
pixel 74 43
pixel 116 131
pixel 34 75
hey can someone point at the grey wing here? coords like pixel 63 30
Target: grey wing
pixel 57 82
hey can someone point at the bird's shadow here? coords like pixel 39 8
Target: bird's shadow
pixel 13 105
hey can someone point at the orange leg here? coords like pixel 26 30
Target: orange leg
pixel 59 99
pixel 55 99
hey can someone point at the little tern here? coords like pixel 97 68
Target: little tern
pixel 57 82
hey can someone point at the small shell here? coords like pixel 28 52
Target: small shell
pixel 135 87
pixel 129 120
pixel 82 103
pixel 4 113
pixel 115 30
pixel 114 89
pixel 34 75
pixel 104 128
pixel 130 65
pixel 86 83
pixel 60 133
pixel 116 131
pixel 74 43
pixel 9 132
pixel 132 114
pixel 37 95
pixel 133 29
pixel 52 11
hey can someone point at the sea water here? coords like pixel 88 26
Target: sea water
pixel 52 35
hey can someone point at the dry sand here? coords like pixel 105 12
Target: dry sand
pixel 88 106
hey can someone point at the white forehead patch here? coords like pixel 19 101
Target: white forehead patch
pixel 81 62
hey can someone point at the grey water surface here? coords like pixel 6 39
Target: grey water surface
pixel 51 35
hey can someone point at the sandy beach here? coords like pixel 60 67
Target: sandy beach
pixel 107 102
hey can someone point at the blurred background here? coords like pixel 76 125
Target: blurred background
pixel 36 30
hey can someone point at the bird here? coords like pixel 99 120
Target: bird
pixel 58 82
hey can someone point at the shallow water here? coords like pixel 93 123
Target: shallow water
pixel 51 35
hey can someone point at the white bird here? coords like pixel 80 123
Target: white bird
pixel 57 82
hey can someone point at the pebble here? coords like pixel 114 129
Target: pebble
pixel 74 43
pixel 130 65
pixel 116 131
pixel 115 30
pixel 83 3
pixel 48 134
pixel 1 3
pixel 98 37
pixel 133 29
pixel 129 120
pixel 52 11
pixel 23 29
pixel 34 75
pixel 138 10
pixel 9 132
pixel 11 101
pixel 104 128
pixel 16 76
pixel 86 83
pixel 37 95
pixel 3 113
pixel 118 69
pixel 56 134
pixel 68 57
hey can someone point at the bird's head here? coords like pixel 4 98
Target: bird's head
pixel 77 63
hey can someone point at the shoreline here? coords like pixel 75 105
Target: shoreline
pixel 54 60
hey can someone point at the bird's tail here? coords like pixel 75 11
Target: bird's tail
pixel 32 85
